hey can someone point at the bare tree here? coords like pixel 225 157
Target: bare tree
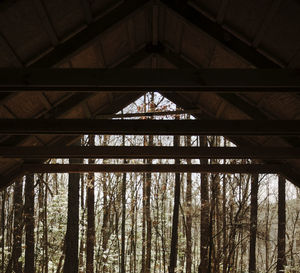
pixel 281 259
pixel 204 244
pixel 174 238
pixel 253 223
pixel 29 224
pixel 72 234
pixel 90 235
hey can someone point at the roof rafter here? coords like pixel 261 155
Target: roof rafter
pixel 65 106
pixel 85 37
pixel 216 31
pixel 235 100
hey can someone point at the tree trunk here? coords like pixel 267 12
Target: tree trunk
pixel 267 229
pixel 143 265
pixel 29 224
pixel 90 195
pixel 105 224
pixel 174 239
pixel 72 234
pixel 123 264
pixel 17 234
pixel 106 214
pixel 148 219
pixel 45 226
pixel 281 259
pixel 147 205
pixel 82 227
pixel 253 223
pixel 203 267
pixel 188 216
pixel 224 212
pixel 3 229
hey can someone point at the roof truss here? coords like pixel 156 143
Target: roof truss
pixel 85 37
pixel 215 30
pixel 65 50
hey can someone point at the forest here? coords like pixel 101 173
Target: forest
pixel 150 222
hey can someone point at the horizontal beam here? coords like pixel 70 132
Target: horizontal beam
pixel 149 127
pixel 149 152
pixel 141 80
pixel 140 168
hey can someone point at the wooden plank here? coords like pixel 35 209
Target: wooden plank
pixel 149 127
pixel 166 168
pixel 35 152
pixel 141 80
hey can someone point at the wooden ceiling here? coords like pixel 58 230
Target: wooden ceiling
pixel 148 34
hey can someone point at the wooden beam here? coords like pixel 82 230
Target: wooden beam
pixel 35 152
pixel 149 127
pixel 167 168
pixel 215 30
pixel 85 37
pixel 142 80
pixel 64 106
pixel 237 100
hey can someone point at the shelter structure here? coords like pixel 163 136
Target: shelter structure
pixel 229 62
pixel 68 66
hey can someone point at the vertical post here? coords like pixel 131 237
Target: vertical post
pixel 281 260
pixel 253 223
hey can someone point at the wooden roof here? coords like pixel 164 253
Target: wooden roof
pixel 148 34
